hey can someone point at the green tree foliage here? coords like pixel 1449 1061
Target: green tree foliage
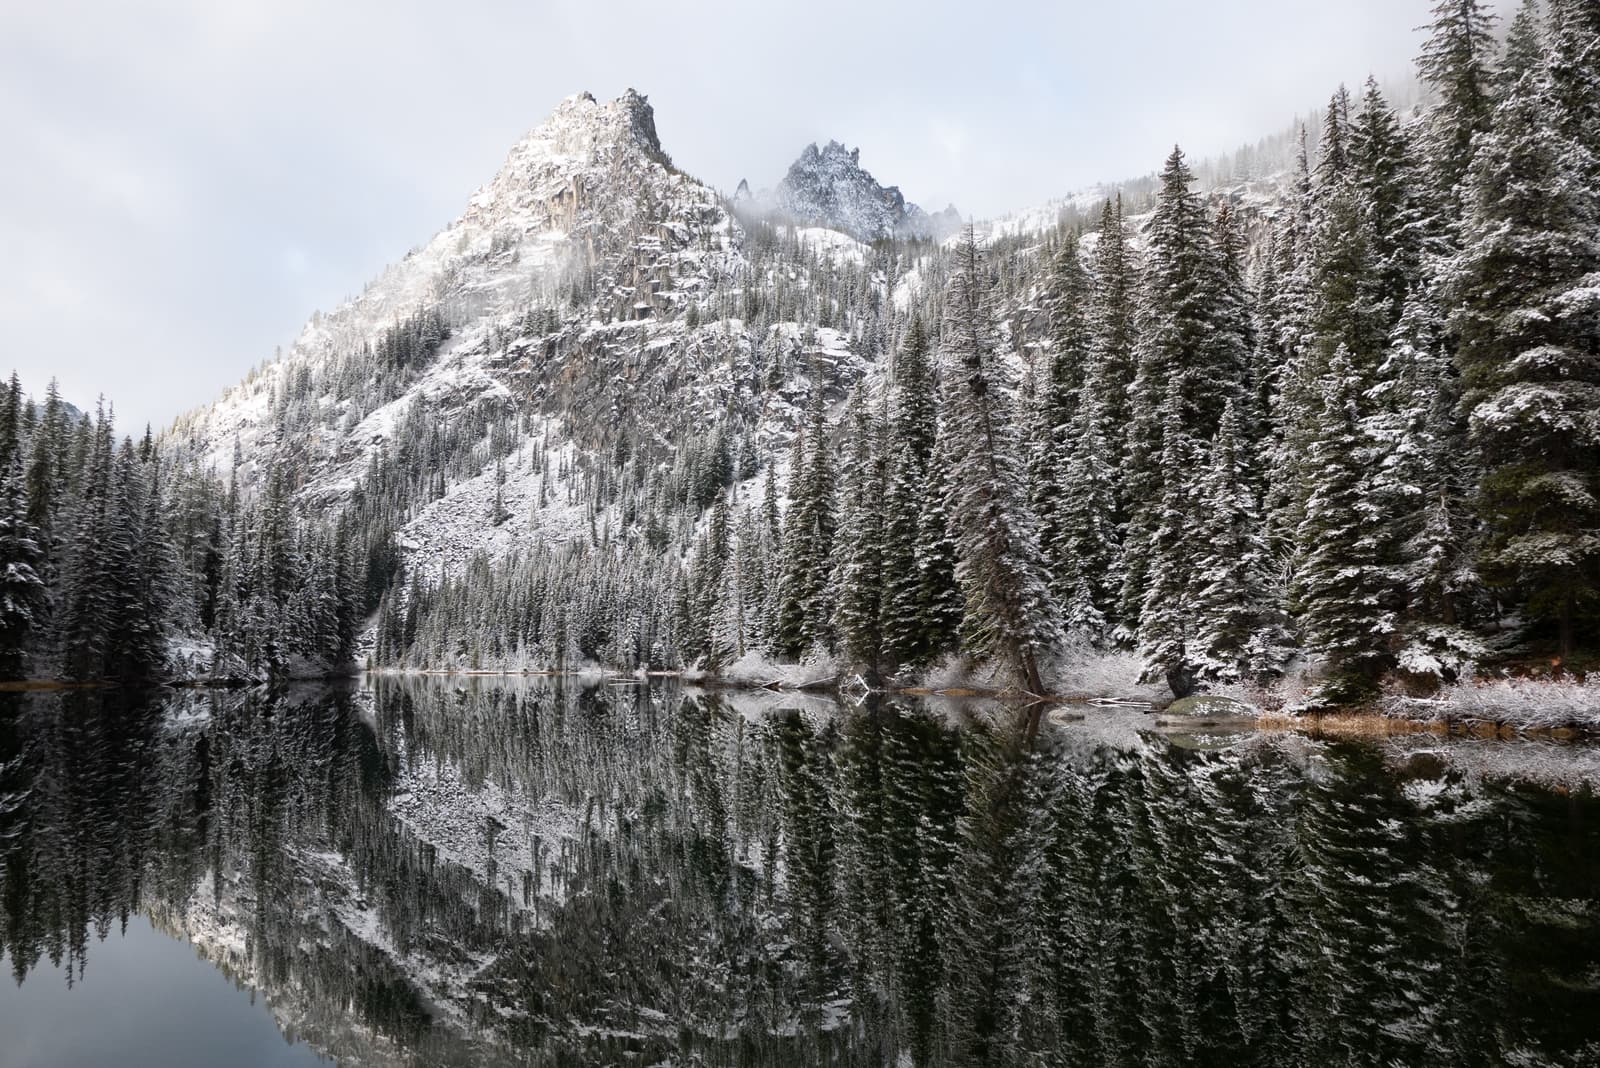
pixel 1010 614
pixel 1525 308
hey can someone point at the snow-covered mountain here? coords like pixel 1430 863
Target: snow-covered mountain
pixel 828 187
pixel 599 303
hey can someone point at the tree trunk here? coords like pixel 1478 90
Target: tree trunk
pixel 1030 672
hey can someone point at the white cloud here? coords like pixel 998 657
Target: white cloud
pixel 951 137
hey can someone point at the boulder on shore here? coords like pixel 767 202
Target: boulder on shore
pixel 1208 707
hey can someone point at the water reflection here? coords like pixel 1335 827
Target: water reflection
pixel 561 874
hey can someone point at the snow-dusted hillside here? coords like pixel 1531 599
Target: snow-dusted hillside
pixel 591 289
pixel 589 186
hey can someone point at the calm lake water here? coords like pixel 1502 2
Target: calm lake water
pixel 453 873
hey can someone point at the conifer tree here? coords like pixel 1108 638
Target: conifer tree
pixel 1284 297
pixel 708 581
pixel 806 614
pixel 1333 151
pixel 1382 168
pixel 1524 52
pixel 85 618
pixel 1572 60
pixel 1085 550
pixel 753 569
pixel 1068 306
pixel 904 641
pixel 1346 305
pixel 1166 617
pixel 1111 326
pixel 858 598
pixel 150 571
pixel 1526 316
pixel 1226 358
pixel 10 422
pixel 24 598
pixel 1068 363
pixel 1342 588
pixel 912 429
pixel 45 477
pixel 1239 628
pixel 1422 486
pixel 1269 356
pixel 1345 312
pixel 772 553
pixel 1176 323
pixel 726 639
pixel 1010 614
pixel 1303 200
pixel 915 417
pixel 1455 64
pixel 943 606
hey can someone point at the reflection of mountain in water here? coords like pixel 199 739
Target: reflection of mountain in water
pixel 555 874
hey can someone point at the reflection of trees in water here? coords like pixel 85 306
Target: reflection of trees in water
pixel 670 877
pixel 77 813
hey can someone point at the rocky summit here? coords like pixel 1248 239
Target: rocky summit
pixel 828 187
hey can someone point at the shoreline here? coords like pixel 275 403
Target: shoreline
pixel 1363 722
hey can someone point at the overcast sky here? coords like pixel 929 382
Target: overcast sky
pixel 186 180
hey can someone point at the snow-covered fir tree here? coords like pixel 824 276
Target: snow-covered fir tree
pixel 1240 625
pixel 1010 614
pixel 858 600
pixel 805 619
pixel 1525 307
pixel 1342 589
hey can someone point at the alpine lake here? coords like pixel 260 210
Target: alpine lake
pixel 496 871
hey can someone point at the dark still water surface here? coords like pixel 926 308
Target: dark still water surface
pixel 431 873
pixel 145 998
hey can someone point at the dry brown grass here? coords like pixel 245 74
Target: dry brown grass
pixel 1349 725
pixel 1377 725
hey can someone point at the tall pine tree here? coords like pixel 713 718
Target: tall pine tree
pixel 1010 614
pixel 1525 296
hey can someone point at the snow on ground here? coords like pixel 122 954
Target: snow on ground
pixel 446 533
pixel 1043 217
pixel 753 669
pixel 908 290
pixel 831 244
pixel 1083 671
pixel 1523 704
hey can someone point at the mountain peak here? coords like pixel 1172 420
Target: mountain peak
pixel 581 138
pixel 827 186
pixel 833 150
pixel 582 117
pixel 641 120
